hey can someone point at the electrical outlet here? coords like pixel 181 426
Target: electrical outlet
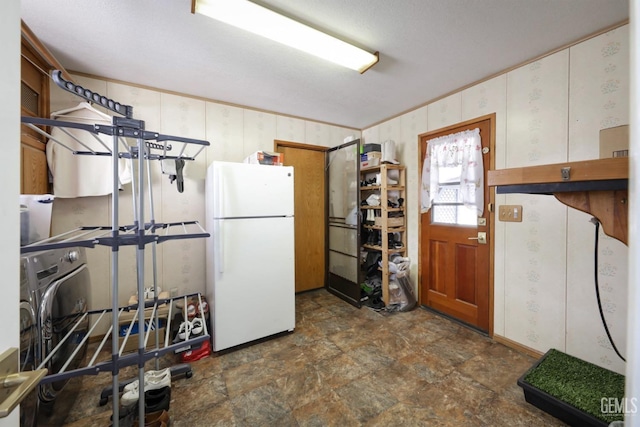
pixel 510 213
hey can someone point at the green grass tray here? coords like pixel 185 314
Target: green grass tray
pixel 572 389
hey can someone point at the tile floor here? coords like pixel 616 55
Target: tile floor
pixel 345 367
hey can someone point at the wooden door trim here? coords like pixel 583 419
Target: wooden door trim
pixel 316 152
pixel 489 201
pixel 279 143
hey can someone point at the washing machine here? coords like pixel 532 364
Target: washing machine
pixel 28 343
pixel 58 285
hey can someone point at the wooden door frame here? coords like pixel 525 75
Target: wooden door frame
pixel 280 143
pixel 277 143
pixel 489 204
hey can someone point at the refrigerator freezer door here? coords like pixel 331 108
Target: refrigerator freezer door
pixel 253 285
pixel 247 190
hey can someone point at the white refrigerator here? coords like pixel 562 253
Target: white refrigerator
pixel 250 254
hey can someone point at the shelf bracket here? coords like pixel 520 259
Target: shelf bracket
pixel 609 207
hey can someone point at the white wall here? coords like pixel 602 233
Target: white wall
pixel 233 132
pixel 10 178
pixel 547 111
pixel 632 386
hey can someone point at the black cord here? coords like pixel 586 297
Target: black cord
pixel 595 269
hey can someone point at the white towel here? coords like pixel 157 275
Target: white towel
pixel 83 175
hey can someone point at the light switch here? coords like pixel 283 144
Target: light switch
pixel 510 213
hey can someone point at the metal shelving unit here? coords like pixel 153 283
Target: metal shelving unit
pixel 147 146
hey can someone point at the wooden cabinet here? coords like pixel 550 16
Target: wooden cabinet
pixel 36 63
pixel 384 224
pixel 34 101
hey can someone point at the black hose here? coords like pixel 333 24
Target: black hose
pixel 604 322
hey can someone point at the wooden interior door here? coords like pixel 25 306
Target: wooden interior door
pixel 309 211
pixel 455 270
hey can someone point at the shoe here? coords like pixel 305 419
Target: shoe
pixel 158 423
pixel 155 377
pixel 197 326
pixel 191 310
pixel 155 418
pixel 153 423
pixel 157 400
pixel 126 416
pixel 203 309
pixel 198 353
pixel 130 396
pixel 185 330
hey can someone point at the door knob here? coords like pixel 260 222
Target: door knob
pixel 482 237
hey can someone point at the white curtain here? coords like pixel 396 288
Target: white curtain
pixel 461 151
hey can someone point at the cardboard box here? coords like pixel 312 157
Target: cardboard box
pixel 614 142
pixel 369 163
pixel 374 155
pixel 265 158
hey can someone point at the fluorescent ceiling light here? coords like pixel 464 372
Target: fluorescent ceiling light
pixel 267 23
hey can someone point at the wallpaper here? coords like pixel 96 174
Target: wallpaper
pixel 535 250
pixel 599 88
pixel 233 133
pixel 547 111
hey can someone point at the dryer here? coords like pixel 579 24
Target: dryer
pixel 59 290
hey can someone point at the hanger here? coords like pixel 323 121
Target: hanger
pixel 81 106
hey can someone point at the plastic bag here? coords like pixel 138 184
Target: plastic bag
pixel 401 296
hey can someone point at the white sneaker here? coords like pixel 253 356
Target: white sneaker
pixel 196 326
pixel 185 330
pixel 152 380
pixel 129 397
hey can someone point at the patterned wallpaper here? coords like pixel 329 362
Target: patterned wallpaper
pixel 535 249
pixel 599 98
pixel 548 111
pixel 233 133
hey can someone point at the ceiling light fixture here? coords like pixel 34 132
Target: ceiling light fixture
pixel 267 23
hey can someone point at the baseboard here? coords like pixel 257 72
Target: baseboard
pixel 517 346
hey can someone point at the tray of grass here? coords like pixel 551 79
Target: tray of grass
pixel 573 390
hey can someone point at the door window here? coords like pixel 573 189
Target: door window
pixel 447 206
pixel 453 179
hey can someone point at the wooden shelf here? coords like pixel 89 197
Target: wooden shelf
pixel 389 250
pixel 384 166
pixel 584 171
pixel 597 187
pixel 384 222
pixel 391 229
pixel 388 209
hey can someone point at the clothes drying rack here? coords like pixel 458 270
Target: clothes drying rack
pixel 146 146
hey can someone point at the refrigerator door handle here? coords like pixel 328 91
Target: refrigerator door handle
pixel 220 196
pixel 219 249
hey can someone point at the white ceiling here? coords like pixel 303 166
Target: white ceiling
pixel 427 48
